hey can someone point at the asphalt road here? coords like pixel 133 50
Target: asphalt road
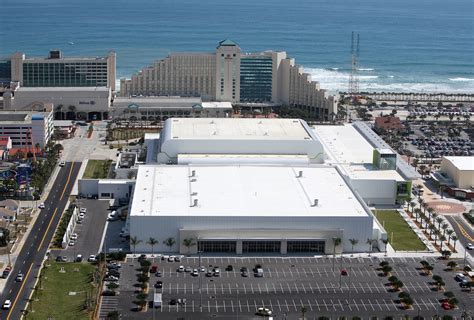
pixel 463 231
pixel 32 254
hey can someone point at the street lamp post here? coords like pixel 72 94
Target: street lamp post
pixel 200 281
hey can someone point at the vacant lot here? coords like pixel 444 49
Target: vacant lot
pixel 97 169
pixel 64 294
pixel 404 238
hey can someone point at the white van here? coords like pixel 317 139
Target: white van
pixel 157 300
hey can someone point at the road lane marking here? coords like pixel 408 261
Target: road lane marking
pixel 19 292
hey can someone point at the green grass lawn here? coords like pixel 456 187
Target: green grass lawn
pixel 97 169
pixel 404 238
pixel 55 300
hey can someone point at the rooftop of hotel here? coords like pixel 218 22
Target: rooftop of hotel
pixel 62 89
pixel 462 163
pixel 269 191
pixel 243 129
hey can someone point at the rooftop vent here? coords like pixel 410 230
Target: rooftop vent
pixel 195 203
pixel 300 174
pixel 315 203
pixel 193 180
pixel 194 193
pixel 193 173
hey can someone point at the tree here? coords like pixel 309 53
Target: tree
pixel 353 243
pixel 170 242
pixel 134 242
pixel 428 269
pixel 385 242
pixel 188 243
pixel 335 241
pixel 439 220
pixel 449 232
pixel 412 205
pixel 370 242
pixel 452 264
pixel 397 285
pixel 444 226
pixel 152 242
pixel 442 238
pixel 454 238
pixel 386 269
pixel 446 254
pixel 453 301
pixel 303 312
pixel 392 279
pixel 407 301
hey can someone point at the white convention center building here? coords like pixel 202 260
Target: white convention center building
pixel 246 186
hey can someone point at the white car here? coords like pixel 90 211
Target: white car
pixel 74 236
pixel 83 210
pixel 82 215
pixel 41 205
pixel 181 269
pixel 71 243
pixel 62 163
pixel 111 217
pixel 470 246
pixel 7 304
pixel 264 311
pixel 92 258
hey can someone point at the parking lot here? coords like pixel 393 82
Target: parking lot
pixel 89 232
pixel 289 284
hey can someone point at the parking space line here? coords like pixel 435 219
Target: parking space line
pixel 381 309
pixel 424 304
pixel 355 304
pixel 223 303
pixel 342 308
pixel 317 304
pixel 245 289
pixel 291 273
pixel 310 287
pixel 279 306
pixel 271 305
pixel 294 304
pixel 255 305
pixel 432 304
pixel 281 286
pixel 309 304
pixel 251 286
pixel 385 302
pixel 287 307
pixel 296 287
pixel 207 288
pixel 327 291
pixel 266 287
pixel 274 288
pixel 325 305
pixel 240 307
pixel 215 289
pixel 363 304
pixel 259 290
pixel 193 306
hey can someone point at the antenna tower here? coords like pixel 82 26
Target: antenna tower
pixel 354 78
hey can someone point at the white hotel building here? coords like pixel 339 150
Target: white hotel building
pixel 233 76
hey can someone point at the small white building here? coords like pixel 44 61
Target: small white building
pixel 460 170
pixel 248 209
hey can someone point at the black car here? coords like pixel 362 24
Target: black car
pixel 113 273
pixel 158 284
pixel 172 302
pixel 229 268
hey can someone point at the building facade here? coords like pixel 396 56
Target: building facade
pixel 59 71
pixel 230 75
pixel 27 129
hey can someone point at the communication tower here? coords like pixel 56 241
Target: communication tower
pixel 353 77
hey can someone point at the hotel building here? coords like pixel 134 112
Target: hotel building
pixel 231 75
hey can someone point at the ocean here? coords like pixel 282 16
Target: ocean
pixel 405 45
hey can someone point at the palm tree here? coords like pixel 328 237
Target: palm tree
pixel 134 242
pixel 412 204
pixel 188 243
pixel 432 228
pixel 370 242
pixel 335 241
pixel 169 242
pixel 417 211
pixel 353 243
pixel 385 242
pixel 444 226
pixel 441 239
pixel 152 242
pixel 431 213
pixel 454 242
pixel 449 232
pixel 436 234
pixel 303 312
pixel 439 220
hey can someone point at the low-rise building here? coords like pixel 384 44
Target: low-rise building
pixel 5 147
pixel 27 129
pixel 157 109
pixel 388 123
pixel 460 170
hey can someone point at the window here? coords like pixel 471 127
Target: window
pixel 261 246
pixel 217 246
pixel 306 246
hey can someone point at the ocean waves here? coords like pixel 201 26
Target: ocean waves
pixel 336 80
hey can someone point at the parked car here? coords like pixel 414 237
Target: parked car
pixel 158 274
pixel 343 272
pixel 172 302
pixel 158 284
pixel 79 258
pixel 195 273
pixel 262 311
pixel 470 246
pixel 154 268
pixel 71 243
pixel 229 268
pixel 92 258
pixel 74 236
pixel 19 277
pixel 188 269
pixel 41 205
pixel 180 269
pixel 83 210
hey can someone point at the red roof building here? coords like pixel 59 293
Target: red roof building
pixel 388 123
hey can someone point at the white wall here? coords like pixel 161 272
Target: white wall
pixel 161 228
pixel 376 192
pixel 121 189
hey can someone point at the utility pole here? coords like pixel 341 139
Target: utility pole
pixel 200 281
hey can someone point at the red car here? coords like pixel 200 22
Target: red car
pixel 343 272
pixel 154 268
pixel 446 306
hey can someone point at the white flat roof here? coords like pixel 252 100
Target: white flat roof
pixel 270 191
pixel 216 105
pixel 462 163
pixel 65 89
pixel 242 129
pixel 344 144
pixel 362 172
